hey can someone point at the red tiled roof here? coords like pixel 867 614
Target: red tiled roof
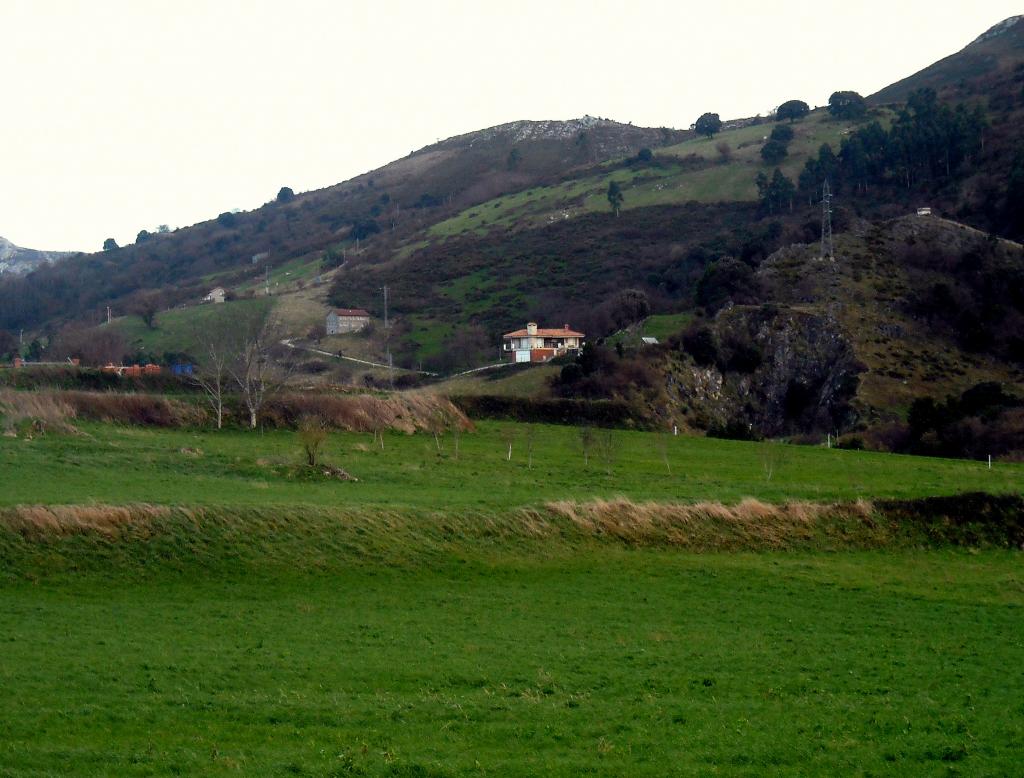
pixel 351 312
pixel 562 332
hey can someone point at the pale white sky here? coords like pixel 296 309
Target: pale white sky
pixel 118 116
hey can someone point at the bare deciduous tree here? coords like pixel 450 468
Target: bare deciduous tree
pixel 211 374
pixel 253 370
pixel 605 445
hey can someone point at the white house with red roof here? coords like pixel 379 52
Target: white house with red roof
pixel 342 320
pixel 537 344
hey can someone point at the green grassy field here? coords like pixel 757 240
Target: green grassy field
pixel 663 326
pixel 420 623
pixel 118 465
pixel 601 662
pixel 518 381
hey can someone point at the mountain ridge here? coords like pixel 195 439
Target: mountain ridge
pixel 998 48
pixel 19 260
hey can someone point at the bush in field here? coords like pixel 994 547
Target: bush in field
pixel 773 152
pixel 783 133
pixel 312 435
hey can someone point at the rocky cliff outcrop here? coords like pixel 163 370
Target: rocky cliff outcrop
pixel 15 259
pixel 776 371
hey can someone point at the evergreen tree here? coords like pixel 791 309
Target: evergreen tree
pixel 615 197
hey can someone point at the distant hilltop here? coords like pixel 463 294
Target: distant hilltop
pixel 998 29
pixel 18 260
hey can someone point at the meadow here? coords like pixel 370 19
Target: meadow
pixel 114 464
pixel 601 662
pixel 439 618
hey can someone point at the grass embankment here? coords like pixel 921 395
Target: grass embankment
pixel 111 464
pixel 60 410
pixel 43 541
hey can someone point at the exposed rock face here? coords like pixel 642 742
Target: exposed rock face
pixel 779 371
pixel 14 259
pixel 999 29
pixel 590 136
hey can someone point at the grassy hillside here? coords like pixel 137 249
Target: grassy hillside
pixel 693 170
pixel 180 329
pixel 1000 48
pixel 290 235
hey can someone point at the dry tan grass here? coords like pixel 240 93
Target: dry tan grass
pixel 37 521
pixel 55 409
pixel 126 408
pixel 750 523
pixel 405 412
pixel 44 409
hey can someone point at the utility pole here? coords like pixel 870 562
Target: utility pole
pixel 108 314
pixel 385 307
pixel 827 250
pixel 267 282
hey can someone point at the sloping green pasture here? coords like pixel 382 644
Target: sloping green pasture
pixel 118 465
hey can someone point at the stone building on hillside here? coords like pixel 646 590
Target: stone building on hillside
pixel 342 320
pixel 216 295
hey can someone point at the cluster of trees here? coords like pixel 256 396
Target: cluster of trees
pixel 236 354
pixel 727 279
pixel 8 346
pixel 776 148
pixel 775 194
pixel 599 372
pixel 928 140
pixel 983 420
pixel 979 299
